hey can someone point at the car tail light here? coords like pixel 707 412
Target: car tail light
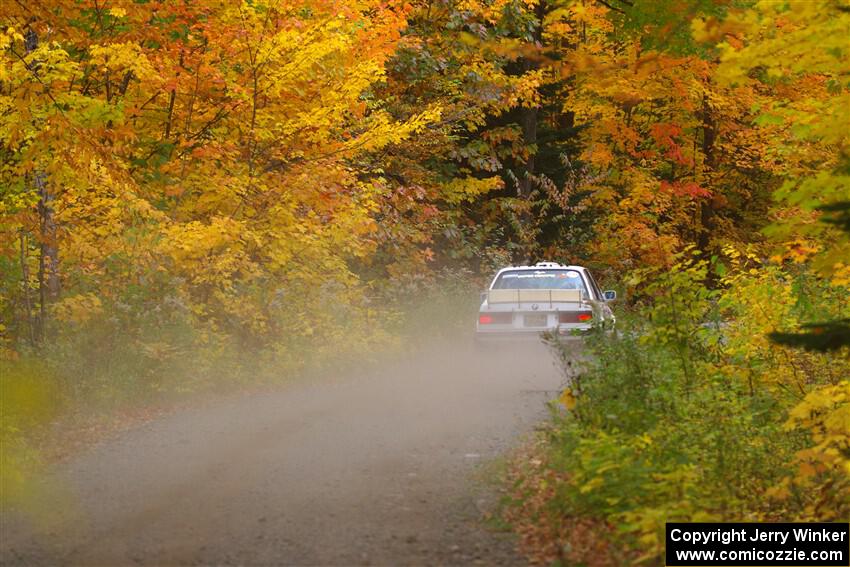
pixel 495 318
pixel 575 316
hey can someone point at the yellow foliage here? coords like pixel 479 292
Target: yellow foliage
pixel 78 308
pixel 463 189
pixel 825 414
pixel 122 58
pixel 567 398
pixel 29 399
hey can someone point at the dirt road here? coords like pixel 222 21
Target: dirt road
pixel 377 468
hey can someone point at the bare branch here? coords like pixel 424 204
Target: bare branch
pixel 611 7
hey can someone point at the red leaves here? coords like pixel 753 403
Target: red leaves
pixel 689 189
pixel 665 136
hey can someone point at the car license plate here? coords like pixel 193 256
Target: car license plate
pixel 535 320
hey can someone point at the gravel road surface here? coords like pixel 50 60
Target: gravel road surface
pixel 379 467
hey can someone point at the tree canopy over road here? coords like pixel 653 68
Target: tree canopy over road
pixel 192 192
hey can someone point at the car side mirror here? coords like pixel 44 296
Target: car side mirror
pixel 483 296
pixel 609 295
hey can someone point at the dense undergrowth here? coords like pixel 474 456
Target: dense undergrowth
pixel 690 413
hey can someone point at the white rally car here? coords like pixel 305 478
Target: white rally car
pixel 524 301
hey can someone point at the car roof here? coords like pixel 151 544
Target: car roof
pixel 541 266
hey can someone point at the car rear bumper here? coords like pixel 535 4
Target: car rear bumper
pixel 496 337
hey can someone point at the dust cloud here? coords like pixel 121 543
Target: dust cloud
pixel 377 464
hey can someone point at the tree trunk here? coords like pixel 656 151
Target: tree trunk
pixel 706 212
pixel 48 265
pixel 49 278
pixel 25 277
pixel 528 120
pixel 529 115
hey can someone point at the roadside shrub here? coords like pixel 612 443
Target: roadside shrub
pixel 689 413
pixel 29 398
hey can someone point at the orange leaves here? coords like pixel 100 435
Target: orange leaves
pixel 211 143
pixel 490 12
pixel 665 136
pixel 592 14
pixel 687 189
pixel 678 148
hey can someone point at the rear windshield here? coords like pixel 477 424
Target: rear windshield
pixel 540 279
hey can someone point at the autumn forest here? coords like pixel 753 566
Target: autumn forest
pixel 199 195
